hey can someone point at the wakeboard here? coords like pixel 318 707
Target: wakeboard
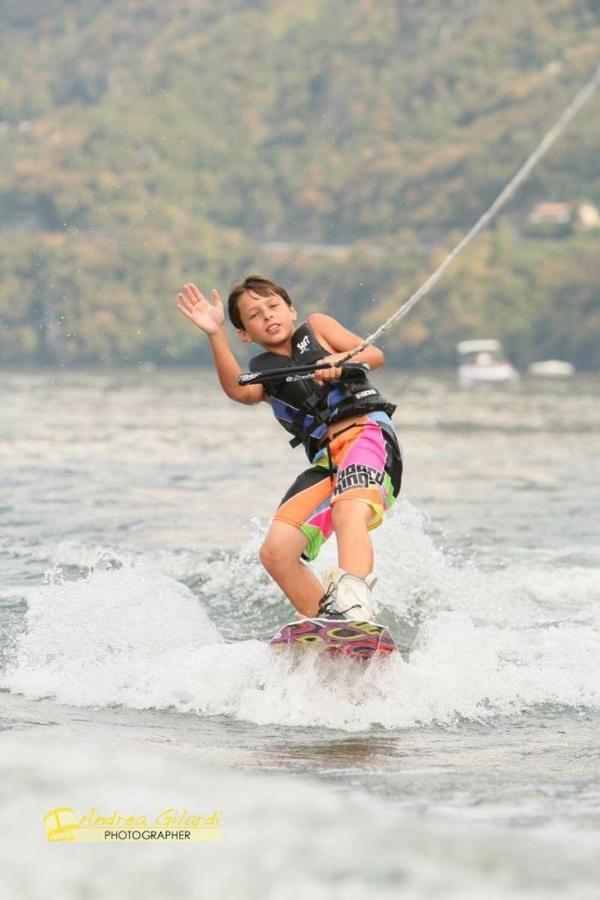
pixel 338 637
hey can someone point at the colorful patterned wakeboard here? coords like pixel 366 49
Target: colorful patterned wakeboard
pixel 339 637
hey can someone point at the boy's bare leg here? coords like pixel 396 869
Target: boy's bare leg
pixel 355 551
pixel 280 555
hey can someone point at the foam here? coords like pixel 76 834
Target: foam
pixel 489 643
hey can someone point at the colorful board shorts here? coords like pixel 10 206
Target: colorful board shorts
pixel 367 466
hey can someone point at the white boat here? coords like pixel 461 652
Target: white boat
pixel 483 362
pixel 552 368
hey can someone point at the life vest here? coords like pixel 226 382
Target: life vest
pixel 303 407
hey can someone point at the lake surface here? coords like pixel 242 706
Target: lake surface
pixel 135 673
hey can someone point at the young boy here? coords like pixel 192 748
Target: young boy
pixel 345 426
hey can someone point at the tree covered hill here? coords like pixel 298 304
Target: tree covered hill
pixel 147 143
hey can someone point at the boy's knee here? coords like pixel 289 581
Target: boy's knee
pixel 350 511
pixel 274 556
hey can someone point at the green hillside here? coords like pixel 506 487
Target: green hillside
pixel 339 146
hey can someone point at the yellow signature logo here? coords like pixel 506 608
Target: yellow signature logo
pixel 63 824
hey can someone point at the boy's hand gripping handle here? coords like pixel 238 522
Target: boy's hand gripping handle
pixel 296 373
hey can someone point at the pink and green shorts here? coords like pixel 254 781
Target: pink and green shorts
pixel 364 463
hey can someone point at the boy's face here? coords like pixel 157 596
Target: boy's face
pixel 267 321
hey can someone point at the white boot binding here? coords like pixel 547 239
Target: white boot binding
pixel 348 597
pixel 331 576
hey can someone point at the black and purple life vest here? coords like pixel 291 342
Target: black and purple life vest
pixel 303 407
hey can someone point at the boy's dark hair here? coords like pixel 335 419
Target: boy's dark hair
pixel 258 285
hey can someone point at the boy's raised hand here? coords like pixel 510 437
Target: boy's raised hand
pixel 206 315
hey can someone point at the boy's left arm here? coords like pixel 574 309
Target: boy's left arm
pixel 334 335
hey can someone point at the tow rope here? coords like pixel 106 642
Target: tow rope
pixel 579 100
pixel 551 136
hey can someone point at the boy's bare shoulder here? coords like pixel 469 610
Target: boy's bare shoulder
pixel 316 319
pixel 336 338
pixel 331 330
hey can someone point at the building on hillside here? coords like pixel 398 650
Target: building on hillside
pixel 557 219
pixel 588 215
pixel 551 214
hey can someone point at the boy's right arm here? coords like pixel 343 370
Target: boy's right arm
pixel 210 318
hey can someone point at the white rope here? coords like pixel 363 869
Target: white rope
pixel 547 141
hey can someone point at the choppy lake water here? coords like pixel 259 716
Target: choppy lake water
pixel 134 671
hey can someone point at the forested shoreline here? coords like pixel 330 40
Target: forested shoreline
pixel 339 147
